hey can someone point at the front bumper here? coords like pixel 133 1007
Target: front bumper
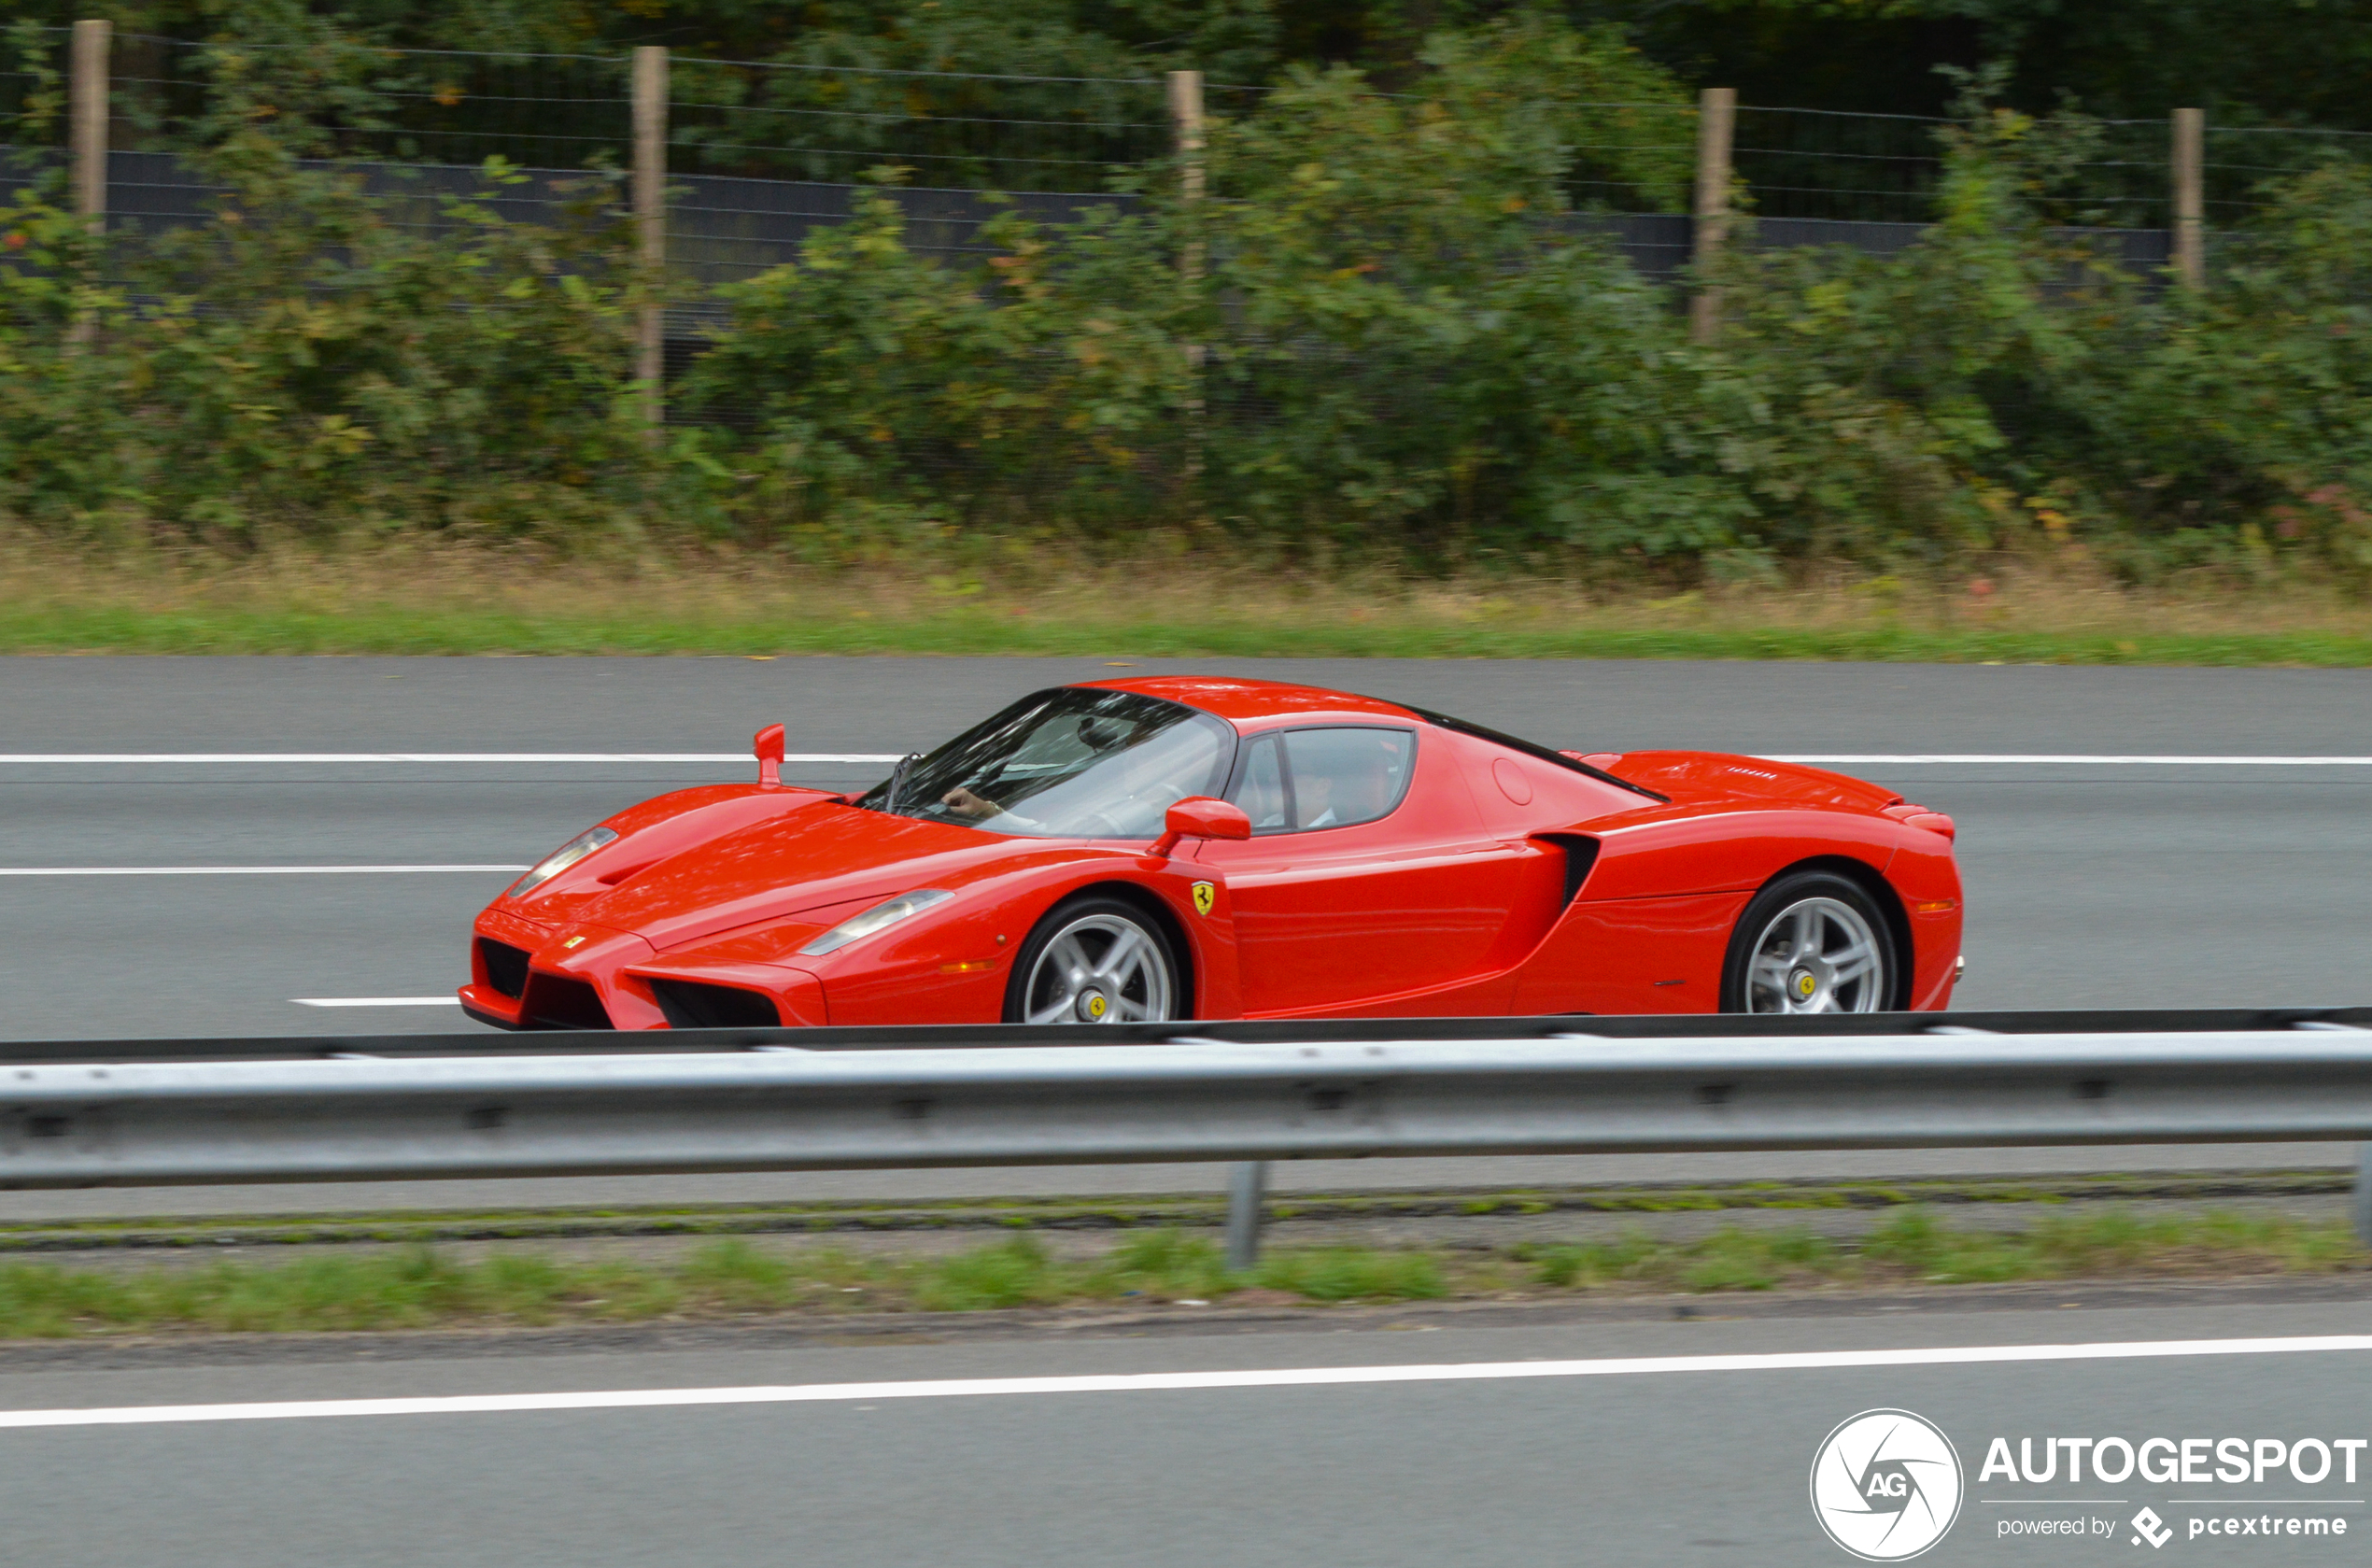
pixel 528 975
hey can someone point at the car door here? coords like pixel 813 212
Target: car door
pixel 1369 874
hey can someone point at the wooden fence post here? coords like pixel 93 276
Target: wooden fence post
pixel 87 108
pixel 1186 122
pixel 650 226
pixel 1717 118
pixel 2190 205
pixel 87 133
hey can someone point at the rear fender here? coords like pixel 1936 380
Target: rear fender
pixel 1674 850
pixel 1926 880
pixel 1705 776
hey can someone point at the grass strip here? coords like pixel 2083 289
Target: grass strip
pixel 459 600
pixel 1141 1212
pixel 417 1287
pixel 391 629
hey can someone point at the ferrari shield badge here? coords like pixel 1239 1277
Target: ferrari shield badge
pixel 1205 896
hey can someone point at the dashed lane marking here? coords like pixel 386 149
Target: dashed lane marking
pixel 153 758
pixel 376 1001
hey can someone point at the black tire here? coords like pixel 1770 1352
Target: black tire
pixel 1148 985
pixel 1830 910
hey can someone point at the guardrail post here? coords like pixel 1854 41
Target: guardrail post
pixel 650 225
pixel 2190 203
pixel 1717 119
pixel 2364 1196
pixel 1247 1191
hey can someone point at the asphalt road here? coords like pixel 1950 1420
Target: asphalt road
pixel 2115 885
pixel 1555 1458
pixel 2088 887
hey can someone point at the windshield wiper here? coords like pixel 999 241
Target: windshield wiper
pixel 898 780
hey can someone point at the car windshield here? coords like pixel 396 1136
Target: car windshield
pixel 1070 763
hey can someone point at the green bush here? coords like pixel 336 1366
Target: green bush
pixel 312 356
pixel 1379 336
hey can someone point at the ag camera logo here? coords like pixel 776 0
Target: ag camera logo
pixel 1885 1484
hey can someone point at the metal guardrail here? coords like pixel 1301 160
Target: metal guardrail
pixel 1386 1092
pixel 1326 1031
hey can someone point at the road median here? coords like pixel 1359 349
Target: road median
pixel 379 1285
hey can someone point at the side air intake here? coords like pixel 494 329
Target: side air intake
pixel 691 1004
pixel 1581 853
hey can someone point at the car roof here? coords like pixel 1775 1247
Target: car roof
pixel 1256 704
pixel 1248 701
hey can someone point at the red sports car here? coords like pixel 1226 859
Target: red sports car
pixel 1182 847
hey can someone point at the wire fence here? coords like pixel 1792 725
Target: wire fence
pixel 1863 168
pixel 1630 136
pixel 948 130
pixel 822 124
pixel 760 154
pixel 32 107
pixel 564 111
pixel 2243 162
pixel 32 58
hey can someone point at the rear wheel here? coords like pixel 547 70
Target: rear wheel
pixel 1811 941
pixel 1094 960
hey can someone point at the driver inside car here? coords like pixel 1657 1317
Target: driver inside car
pixel 1100 736
pixel 1122 793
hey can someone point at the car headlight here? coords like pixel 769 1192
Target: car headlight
pixel 562 858
pixel 879 917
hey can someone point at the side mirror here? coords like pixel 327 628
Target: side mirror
pixel 767 746
pixel 1199 816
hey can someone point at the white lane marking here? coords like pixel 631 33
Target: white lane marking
pixel 239 870
pixel 154 758
pixel 1147 1382
pixel 376 1001
pixel 1906 760
pixel 2051 760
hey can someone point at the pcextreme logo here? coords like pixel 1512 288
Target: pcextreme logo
pixel 1885 1484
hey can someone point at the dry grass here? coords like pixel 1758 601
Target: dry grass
pixel 408 599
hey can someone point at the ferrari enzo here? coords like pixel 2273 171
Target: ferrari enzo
pixel 1188 847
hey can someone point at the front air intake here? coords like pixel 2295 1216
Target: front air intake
pixel 559 1002
pixel 691 1004
pixel 505 967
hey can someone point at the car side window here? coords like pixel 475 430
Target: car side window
pixel 1261 791
pixel 1297 781
pixel 1344 776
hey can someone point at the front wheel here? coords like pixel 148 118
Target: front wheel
pixel 1814 941
pixel 1094 960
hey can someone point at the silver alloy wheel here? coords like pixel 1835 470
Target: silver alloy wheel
pixel 1099 968
pixel 1817 955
